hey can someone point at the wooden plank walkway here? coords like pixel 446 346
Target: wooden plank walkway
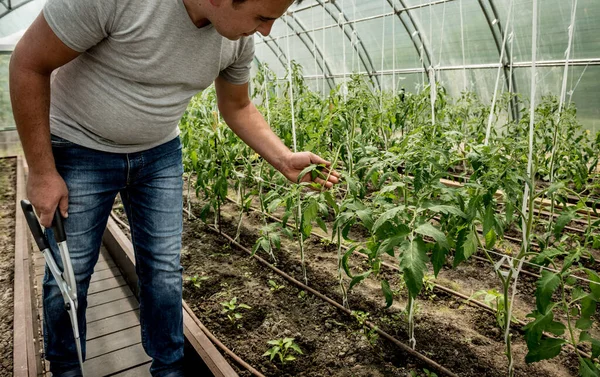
pixel 113 329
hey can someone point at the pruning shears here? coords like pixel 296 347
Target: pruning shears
pixel 65 279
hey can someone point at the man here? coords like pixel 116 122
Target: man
pixel 128 71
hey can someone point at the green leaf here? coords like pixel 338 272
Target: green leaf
pixel 584 324
pixel 391 188
pixel 489 219
pixel 255 248
pixel 429 230
pixel 332 203
pixel 387 293
pixel 542 322
pixel 546 286
pixel 586 337
pixel 321 224
pixel 466 245
pixel 588 307
pixel 490 239
pixel 546 349
pixel 358 278
pixel 595 285
pixel 388 245
pixel 509 211
pixel 587 368
pixel 387 216
pixel 438 258
pixel 276 239
pixel 306 170
pixel 561 222
pixel 578 294
pixel 413 264
pixel 345 260
pixel 273 205
pixel 547 255
pixel 366 217
pixel 554 187
pixel 295 347
pixel 446 209
pixel 310 211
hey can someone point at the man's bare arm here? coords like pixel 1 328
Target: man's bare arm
pixel 246 121
pixel 36 55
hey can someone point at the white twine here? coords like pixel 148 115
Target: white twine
pixel 563 91
pixel 291 89
pixel 524 208
pixel 500 68
pixel 462 43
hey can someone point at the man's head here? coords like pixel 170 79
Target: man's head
pixel 234 19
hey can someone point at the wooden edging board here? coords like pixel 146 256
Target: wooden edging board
pixel 26 359
pixel 121 250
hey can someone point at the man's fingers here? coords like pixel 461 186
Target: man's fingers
pixel 330 173
pixel 46 218
pixel 63 206
pixel 315 159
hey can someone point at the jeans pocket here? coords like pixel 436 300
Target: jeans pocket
pixel 60 142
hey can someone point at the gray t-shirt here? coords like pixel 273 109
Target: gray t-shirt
pixel 142 61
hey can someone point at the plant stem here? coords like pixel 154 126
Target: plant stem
pixel 411 323
pixel 189 202
pixel 340 276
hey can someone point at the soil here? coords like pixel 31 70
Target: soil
pixel 7 256
pixel 457 336
pixel 462 338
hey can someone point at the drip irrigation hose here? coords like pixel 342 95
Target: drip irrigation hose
pixel 468 299
pixel 301 285
pixel 223 347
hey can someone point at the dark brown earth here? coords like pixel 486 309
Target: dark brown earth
pixel 459 337
pixel 462 338
pixel 7 256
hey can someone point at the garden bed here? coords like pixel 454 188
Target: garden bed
pixel 459 337
pixel 7 257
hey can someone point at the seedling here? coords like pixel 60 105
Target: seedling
pixel 274 286
pixel 282 349
pixel 231 308
pixel 196 280
pixel 369 333
pixel 428 286
pixel 493 299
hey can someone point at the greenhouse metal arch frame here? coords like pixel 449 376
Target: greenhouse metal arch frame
pixel 414 29
pixel 10 7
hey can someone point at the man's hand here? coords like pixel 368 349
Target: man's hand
pixel 245 120
pixel 46 191
pixel 295 163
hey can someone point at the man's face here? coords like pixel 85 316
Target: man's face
pixel 235 21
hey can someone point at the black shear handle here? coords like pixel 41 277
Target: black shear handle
pixel 58 227
pixel 34 225
pixel 36 229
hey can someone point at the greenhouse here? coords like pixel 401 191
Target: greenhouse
pixel 300 188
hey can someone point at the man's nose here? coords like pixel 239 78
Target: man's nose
pixel 265 28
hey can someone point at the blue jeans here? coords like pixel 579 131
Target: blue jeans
pixel 150 184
